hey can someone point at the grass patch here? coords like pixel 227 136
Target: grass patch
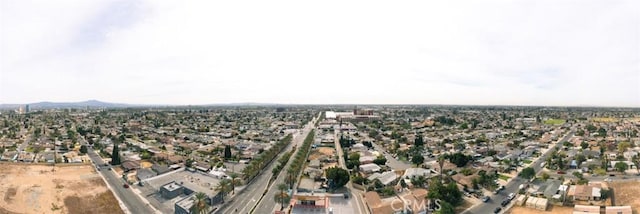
pixel 527 161
pixel 504 177
pixel 554 122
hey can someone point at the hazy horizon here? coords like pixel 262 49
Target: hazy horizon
pixel 524 53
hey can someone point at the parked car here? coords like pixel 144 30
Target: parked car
pixel 485 198
pixel 561 172
pixel 511 196
pixel 497 210
pixel 505 202
pixel 125 185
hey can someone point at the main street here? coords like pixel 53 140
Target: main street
pixel 132 201
pixel 514 184
pixel 267 203
pixel 248 198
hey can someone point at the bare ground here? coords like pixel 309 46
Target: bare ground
pixel 45 189
pixel 550 210
pixel 626 193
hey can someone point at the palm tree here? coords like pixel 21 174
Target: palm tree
pixel 224 187
pixel 441 163
pixel 289 179
pixel 235 181
pixel 282 196
pixel 200 205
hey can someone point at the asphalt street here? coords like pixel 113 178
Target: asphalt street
pixel 248 198
pixel 132 202
pixel 514 184
pixel 267 204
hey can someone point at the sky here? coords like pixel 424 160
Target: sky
pixel 529 52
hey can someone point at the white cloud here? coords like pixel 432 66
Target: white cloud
pixel 489 52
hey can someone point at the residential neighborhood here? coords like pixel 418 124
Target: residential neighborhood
pixel 369 159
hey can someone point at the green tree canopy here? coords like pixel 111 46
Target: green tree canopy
pixel 200 205
pixel 115 155
pixel 380 160
pixel 337 177
pixel 417 159
pixel 621 166
pixel 527 173
pixel 448 193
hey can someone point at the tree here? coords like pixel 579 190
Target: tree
pixel 580 158
pixel 419 142
pixel 419 181
pixel 441 164
pixel 417 159
pixel 445 208
pixel 224 187
pixel 449 193
pixel 602 132
pixel 584 145
pixel 282 196
pixel 577 175
pixel 527 173
pixel 200 205
pixel 227 152
pixel 623 146
pixel 83 149
pixel 235 181
pixel 545 176
pixel 337 177
pixel 621 166
pixel 115 155
pixel 380 160
pixel 459 159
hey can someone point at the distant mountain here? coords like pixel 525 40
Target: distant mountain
pixel 53 105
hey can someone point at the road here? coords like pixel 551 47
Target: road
pixel 132 201
pixel 514 184
pixel 391 161
pixel 250 195
pixel 355 194
pixel 267 203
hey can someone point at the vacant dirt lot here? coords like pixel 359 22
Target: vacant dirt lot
pixel 627 193
pixel 43 189
pixel 550 210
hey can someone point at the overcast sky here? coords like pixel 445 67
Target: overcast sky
pixel 580 52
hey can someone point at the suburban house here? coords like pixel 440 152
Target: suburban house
pixel 378 206
pixel 386 178
pixel 369 168
pixel 585 193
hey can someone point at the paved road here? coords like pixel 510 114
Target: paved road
pixel 250 195
pixel 133 203
pixel 267 204
pixel 27 138
pixel 391 161
pixel 514 184
pixel 355 194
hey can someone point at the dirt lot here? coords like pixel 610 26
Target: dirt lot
pixel 321 151
pixel 550 210
pixel 626 193
pixel 41 189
